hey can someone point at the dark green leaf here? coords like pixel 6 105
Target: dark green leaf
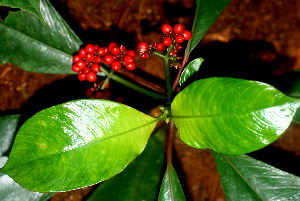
pixel 297 116
pixel 231 116
pixel 141 179
pixel 206 13
pixel 170 189
pixel 245 178
pixel 76 144
pixel 26 42
pixel 28 5
pixel 8 128
pixel 190 69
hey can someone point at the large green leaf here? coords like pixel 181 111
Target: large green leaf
pixel 28 5
pixel 206 13
pixel 245 178
pixel 170 189
pixel 8 128
pixel 190 70
pixel 231 116
pixel 141 179
pixel 11 191
pixel 76 144
pixel 26 42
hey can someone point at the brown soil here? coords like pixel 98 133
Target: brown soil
pixel 252 39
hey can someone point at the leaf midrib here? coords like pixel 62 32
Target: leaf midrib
pixel 87 144
pixel 228 114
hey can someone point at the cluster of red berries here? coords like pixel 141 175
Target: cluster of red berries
pixel 175 36
pixel 87 62
pixel 96 93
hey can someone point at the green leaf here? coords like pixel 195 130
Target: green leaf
pixel 27 5
pixel 245 178
pixel 206 13
pixel 141 179
pixel 190 69
pixel 76 144
pixel 11 191
pixel 8 128
pixel 297 116
pixel 231 116
pixel 26 42
pixel 170 189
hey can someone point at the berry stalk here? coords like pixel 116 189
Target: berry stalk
pixel 133 86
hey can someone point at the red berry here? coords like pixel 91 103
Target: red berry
pixel 131 53
pixel 75 68
pixel 144 55
pixel 178 28
pixel 116 65
pixel 179 47
pixel 143 46
pixel 187 34
pixel 91 77
pixel 101 51
pixel 179 38
pixel 160 46
pixel 108 59
pixel 115 50
pixel 95 68
pixel 111 45
pixel 107 85
pixel 172 53
pixel 122 48
pixel 98 59
pixel 167 41
pixel 89 92
pixel 82 76
pixel 107 93
pixel 99 95
pixel 82 53
pixel 130 66
pixel 86 70
pixel 81 64
pixel 166 28
pixel 96 46
pixel 89 57
pixel 128 59
pixel 89 48
pixel 76 58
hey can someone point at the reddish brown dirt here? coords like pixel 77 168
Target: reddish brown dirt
pixel 266 32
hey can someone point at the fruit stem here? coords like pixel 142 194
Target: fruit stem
pixel 167 76
pixel 131 85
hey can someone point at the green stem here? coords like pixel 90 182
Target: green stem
pixel 106 81
pixel 167 75
pixel 131 85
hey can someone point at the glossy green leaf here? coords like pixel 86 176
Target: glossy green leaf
pixel 76 144
pixel 141 179
pixel 26 42
pixel 11 191
pixel 245 178
pixel 170 189
pixel 8 128
pixel 231 116
pixel 206 13
pixel 27 5
pixel 190 69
